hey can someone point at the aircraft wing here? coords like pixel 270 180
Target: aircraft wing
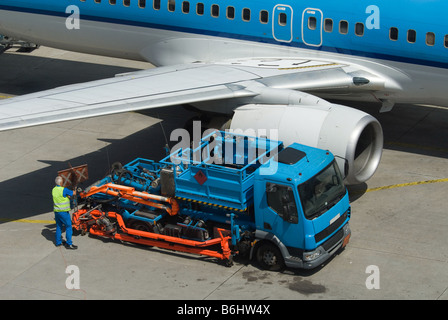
pixel 174 85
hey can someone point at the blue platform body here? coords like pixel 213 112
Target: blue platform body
pixel 221 170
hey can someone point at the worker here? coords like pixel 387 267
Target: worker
pixel 61 203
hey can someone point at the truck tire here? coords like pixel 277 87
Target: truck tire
pixel 140 225
pixel 269 257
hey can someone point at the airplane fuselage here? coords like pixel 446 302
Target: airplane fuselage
pixel 404 40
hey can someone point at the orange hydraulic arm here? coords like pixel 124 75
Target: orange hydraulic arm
pixel 93 221
pixel 135 196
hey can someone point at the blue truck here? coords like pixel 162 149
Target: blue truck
pixel 231 194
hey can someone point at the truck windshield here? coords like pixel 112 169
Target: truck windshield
pixel 322 191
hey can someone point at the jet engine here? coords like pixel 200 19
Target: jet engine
pixel 354 137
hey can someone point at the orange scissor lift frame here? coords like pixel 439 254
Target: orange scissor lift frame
pixel 90 220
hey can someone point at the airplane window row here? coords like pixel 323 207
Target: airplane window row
pixel 411 37
pixel 214 10
pixel 282 19
pixel 200 9
pixel 430 38
pixel 343 26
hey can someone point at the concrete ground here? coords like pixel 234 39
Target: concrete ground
pixel 399 243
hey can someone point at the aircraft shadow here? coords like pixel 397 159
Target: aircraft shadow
pixel 411 128
pixel 22 73
pixel 29 195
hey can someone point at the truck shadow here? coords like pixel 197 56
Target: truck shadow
pixel 356 191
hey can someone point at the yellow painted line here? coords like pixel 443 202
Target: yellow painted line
pixel 5 97
pixel 27 221
pixel 401 185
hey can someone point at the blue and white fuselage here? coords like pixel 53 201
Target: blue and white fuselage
pixel 411 36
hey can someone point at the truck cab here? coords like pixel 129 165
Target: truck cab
pixel 302 209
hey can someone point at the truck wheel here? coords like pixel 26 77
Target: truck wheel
pixel 229 262
pixel 140 225
pixel 270 258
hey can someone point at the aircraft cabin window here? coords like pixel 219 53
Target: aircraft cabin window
pixel 126 3
pixel 97 1
pixel 215 10
pixel 412 36
pixel 430 39
pixel 156 4
pixel 142 3
pixel 446 41
pixel 328 25
pixel 113 2
pixel 230 12
pixel 343 27
pixel 200 8
pixel 264 16
pixel 312 23
pixel 171 5
pixel 393 34
pixel 186 7
pixel 359 29
pixel 246 14
pixel 282 19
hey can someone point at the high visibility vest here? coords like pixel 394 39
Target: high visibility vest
pixel 61 203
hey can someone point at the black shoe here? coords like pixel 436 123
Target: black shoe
pixel 71 247
pixel 64 243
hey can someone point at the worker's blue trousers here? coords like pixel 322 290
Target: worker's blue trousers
pixel 63 220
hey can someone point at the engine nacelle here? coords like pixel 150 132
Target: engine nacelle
pixel 354 137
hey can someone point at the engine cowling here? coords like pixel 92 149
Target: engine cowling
pixel 354 137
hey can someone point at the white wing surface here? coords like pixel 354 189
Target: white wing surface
pixel 174 85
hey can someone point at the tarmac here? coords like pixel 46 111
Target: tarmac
pixel 398 248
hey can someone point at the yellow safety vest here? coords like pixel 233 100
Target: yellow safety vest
pixel 61 203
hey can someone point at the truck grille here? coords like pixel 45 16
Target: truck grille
pixel 330 229
pixel 330 243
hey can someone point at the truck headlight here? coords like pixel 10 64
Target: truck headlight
pixel 311 255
